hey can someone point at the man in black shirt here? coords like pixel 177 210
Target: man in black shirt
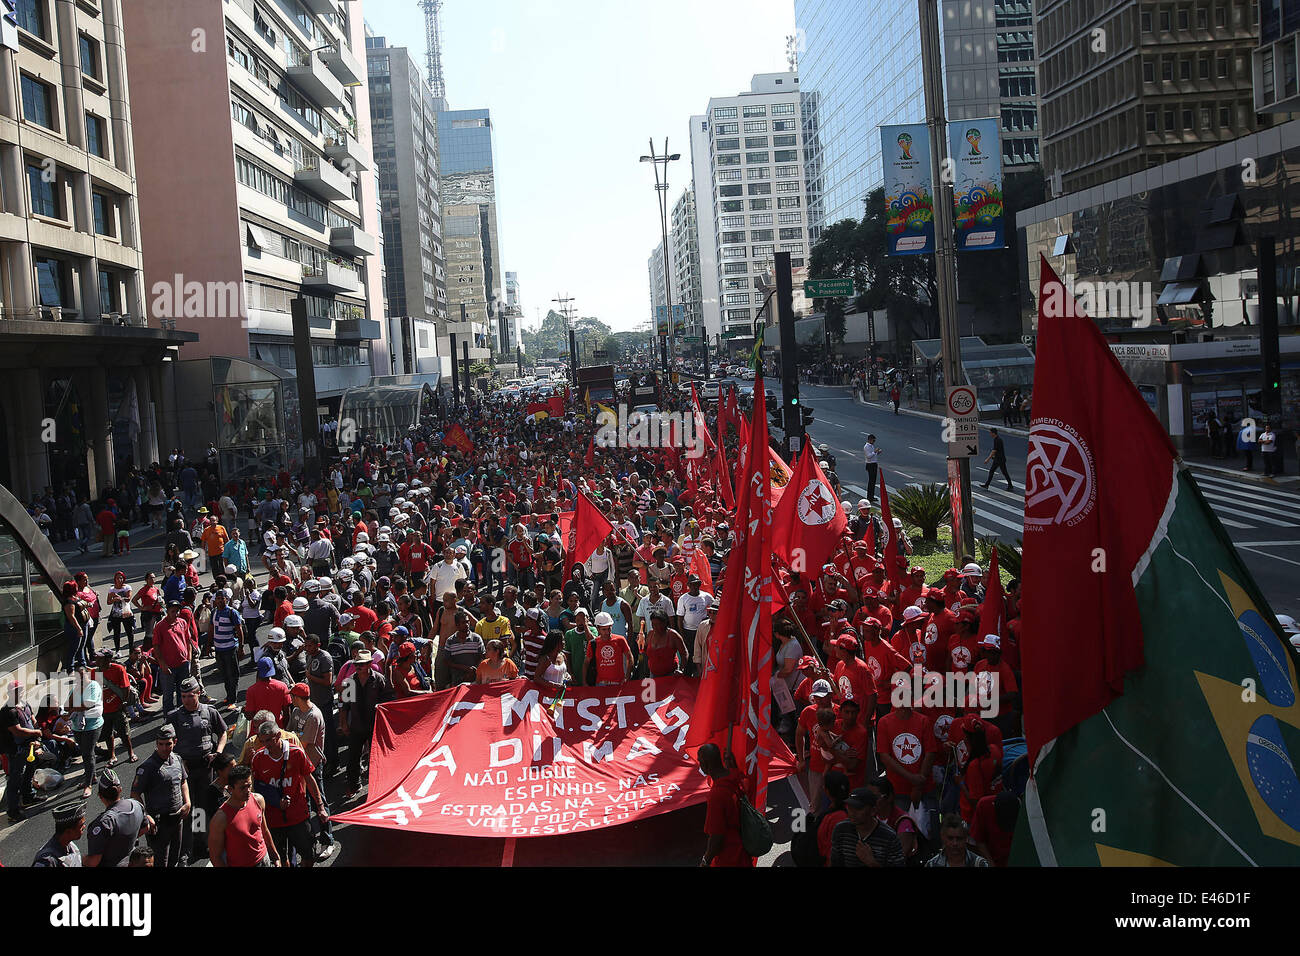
pixel 863 839
pixel 362 694
pixel 18 735
pixel 162 786
pixel 998 457
pixel 200 735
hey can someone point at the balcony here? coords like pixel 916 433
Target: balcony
pixel 331 277
pixel 309 73
pixel 323 179
pixel 356 330
pixel 344 148
pixel 343 65
pixel 322 7
pixel 353 241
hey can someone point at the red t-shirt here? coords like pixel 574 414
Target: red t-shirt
pixel 1011 645
pixel 957 737
pixel 723 819
pixel 855 681
pixel 611 659
pixel 938 628
pixel 859 738
pixel 415 556
pixel 910 595
pixel 978 782
pixel 270 695
pixel 1006 682
pixel 289 772
pixel 521 553
pixel 808 723
pixel 882 661
pixel 963 652
pixel 366 619
pixel 678 585
pixel 279 581
pixel 906 739
pixel 118 675
pixel 910 646
pixel 984 829
pixel 151 599
pixel 283 611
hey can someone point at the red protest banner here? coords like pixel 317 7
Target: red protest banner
pixel 491 759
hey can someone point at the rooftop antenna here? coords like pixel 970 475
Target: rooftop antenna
pixel 433 45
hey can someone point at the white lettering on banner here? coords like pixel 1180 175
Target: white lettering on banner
pixel 682 726
pixel 642 748
pixel 453 716
pixel 565 703
pixel 404 802
pixel 620 703
pixel 557 751
pixel 442 757
pixel 597 753
pixel 527 706
pixel 497 746
pixel 593 722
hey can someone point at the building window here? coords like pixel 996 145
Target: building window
pixel 1221 15
pixel 758 172
pixel 1225 117
pixel 1202 18
pixel 758 157
pixel 728 129
pixel 732 222
pixel 783 126
pixel 1146 21
pixel 783 109
pixel 1185 69
pixel 724 112
pixel 755 142
pixel 785 140
pixel 735 268
pixel 1187 119
pixel 730 237
pixel 733 205
pixel 726 144
pixel 1166 21
pixel 791 203
pixel 45 195
pixel 787 172
pixel 1151 121
pixel 95 144
pixel 736 298
pixel 763 220
pixel 38 102
pixel 790 234
pixel 1170 119
pixel 102 207
pixel 1223 67
pixel 729 176
pixel 49 282
pixel 729 159
pixel 31 17
pixel 1167 69
pixel 790 187
pixel 759 204
pixel 89 57
pixel 760 235
pixel 790 218
pixel 755 111
pixel 730 190
pixel 756 127
pixel 1148 71
pixel 107 292
pixel 760 189
pixel 1184 21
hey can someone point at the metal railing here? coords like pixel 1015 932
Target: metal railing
pixel 47 313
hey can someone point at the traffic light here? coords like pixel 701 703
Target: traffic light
pixel 777 415
pixel 807 414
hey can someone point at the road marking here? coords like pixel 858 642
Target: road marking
pixel 508 853
pixel 1281 497
pixel 1266 544
pixel 923 451
pixel 1271 557
pixel 989 516
pixel 1255 513
pixel 838 425
pixel 1233 524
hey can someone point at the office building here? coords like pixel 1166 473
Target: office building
pixel 256 176
pixel 1275 61
pixel 701 177
pixel 659 288
pixel 684 254
pixel 513 316
pixel 861 69
pixel 756 195
pixel 82 392
pixel 1169 80
pixel 476 280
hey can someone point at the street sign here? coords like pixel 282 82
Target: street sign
pixel 963 422
pixel 828 288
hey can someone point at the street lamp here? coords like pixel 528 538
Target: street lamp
pixel 661 189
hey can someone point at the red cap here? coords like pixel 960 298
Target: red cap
pixel 872 622
pixel 968 616
pixel 300 690
pixel 847 642
pixel 952 574
pixel 972 723
pixel 407 649
pixel 914 570
pixel 807 661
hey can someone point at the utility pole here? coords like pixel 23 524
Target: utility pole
pixel 569 311
pixel 963 537
pixel 794 431
pixel 667 342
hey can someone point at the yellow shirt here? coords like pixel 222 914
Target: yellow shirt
pixel 497 630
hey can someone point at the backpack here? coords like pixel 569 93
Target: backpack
pixel 755 831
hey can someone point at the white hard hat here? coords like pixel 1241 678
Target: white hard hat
pixel 863 503
pixel 1288 624
pixel 603 619
pixel 971 569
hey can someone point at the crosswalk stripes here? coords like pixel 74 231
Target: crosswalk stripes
pixel 1000 513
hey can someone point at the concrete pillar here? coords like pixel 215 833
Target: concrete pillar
pixel 74 105
pixel 146 443
pixel 99 432
pixel 28 454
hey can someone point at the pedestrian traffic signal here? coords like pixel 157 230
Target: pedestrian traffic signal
pixel 807 414
pixel 777 415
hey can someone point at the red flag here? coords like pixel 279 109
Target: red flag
pixel 1093 489
pixel 700 566
pixel 734 701
pixel 893 572
pixel 993 610
pixel 556 404
pixel 456 438
pixel 808 522
pixel 723 477
pixel 590 527
pixel 590 460
pixel 537 408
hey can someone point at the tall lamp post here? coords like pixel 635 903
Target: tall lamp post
pixel 661 189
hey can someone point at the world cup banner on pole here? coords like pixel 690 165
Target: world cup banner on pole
pixel 507 760
pixel 976 154
pixel 909 190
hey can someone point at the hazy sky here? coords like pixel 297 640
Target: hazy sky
pixel 576 89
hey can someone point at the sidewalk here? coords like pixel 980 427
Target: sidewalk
pixel 1222 467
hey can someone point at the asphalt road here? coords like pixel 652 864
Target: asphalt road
pixel 1262 521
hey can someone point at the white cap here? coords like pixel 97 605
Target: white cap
pixel 231 569
pixel 300 604
pixel 971 569
pixel 293 620
pixel 604 619
pixel 863 503
pixel 346 619
pixel 821 688
pixel 912 613
pixel 991 640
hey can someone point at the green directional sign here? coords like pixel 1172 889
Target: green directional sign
pixel 738 332
pixel 828 288
pixel 693 339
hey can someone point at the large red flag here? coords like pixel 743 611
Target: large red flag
pixel 808 521
pixel 734 701
pixel 1086 507
pixel 892 571
pixel 722 476
pixel 556 404
pixel 700 566
pixel 458 439
pixel 993 610
pixel 590 460
pixel 590 527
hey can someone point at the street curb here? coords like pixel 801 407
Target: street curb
pixel 1286 484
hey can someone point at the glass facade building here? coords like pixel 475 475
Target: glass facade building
pixel 465 137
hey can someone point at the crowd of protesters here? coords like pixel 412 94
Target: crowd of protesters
pixel 412 567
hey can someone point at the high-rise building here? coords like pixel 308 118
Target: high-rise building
pixel 1131 84
pixel 476 281
pixel 1277 60
pixel 255 172
pixel 757 194
pixel 82 350
pixel 861 69
pixel 685 255
pixel 705 241
pixel 404 125
pixel 658 280
pixel 513 314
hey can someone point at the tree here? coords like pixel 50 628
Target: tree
pixel 614 348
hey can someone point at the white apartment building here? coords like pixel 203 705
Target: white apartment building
pixel 757 195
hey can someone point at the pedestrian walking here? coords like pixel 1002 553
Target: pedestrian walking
pixel 1268 450
pixel 1246 442
pixel 997 461
pixel 872 456
pixel 895 396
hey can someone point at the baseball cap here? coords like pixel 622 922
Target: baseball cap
pixel 346 619
pixel 300 690
pixel 872 622
pixel 847 642
pixel 912 612
pixel 109 780
pixel 821 688
pixel 266 667
pixel 231 569
pixel 859 799
pixel 991 640
pixel 604 619
pixel 966 615
pixel 807 661
pixel 405 650
pixel 952 574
